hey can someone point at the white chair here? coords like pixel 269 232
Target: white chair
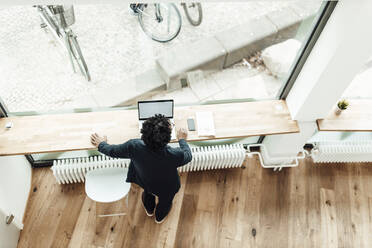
pixel 107 185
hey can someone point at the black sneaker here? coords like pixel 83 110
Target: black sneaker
pixel 161 214
pixel 148 205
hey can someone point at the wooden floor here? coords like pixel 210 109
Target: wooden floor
pixel 308 206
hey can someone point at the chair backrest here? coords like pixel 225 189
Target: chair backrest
pixel 107 184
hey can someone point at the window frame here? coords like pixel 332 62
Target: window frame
pixel 321 21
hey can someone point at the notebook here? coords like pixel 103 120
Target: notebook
pixel 205 124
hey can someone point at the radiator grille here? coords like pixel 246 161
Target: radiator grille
pixel 204 158
pixel 342 152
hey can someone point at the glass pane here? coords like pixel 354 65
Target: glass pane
pixel 340 136
pixel 241 51
pixel 88 153
pixel 61 155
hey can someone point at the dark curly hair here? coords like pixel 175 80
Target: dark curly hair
pixel 156 132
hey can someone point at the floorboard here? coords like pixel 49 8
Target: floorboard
pixel 313 205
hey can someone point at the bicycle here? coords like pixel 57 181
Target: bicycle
pixel 58 19
pixel 193 13
pixel 162 21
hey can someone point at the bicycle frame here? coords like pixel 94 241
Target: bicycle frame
pixel 64 35
pixel 159 18
pixel 45 14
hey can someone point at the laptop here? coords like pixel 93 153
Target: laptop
pixel 147 109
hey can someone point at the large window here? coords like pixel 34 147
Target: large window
pixel 242 51
pixel 260 43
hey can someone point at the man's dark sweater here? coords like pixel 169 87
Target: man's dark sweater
pixel 154 171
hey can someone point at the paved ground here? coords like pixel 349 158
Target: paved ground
pixel 237 82
pixel 36 74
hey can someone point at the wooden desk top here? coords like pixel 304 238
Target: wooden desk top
pixel 357 117
pixel 68 132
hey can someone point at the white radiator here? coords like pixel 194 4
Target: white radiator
pixel 342 152
pixel 204 158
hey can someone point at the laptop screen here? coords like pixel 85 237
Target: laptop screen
pixel 150 108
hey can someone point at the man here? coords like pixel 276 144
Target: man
pixel 153 163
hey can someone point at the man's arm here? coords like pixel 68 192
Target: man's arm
pixel 185 153
pixel 116 151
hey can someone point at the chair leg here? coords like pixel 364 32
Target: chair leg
pixel 110 215
pixel 130 221
pixel 127 200
pixel 121 214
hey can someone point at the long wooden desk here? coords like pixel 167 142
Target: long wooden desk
pixel 357 117
pixel 68 132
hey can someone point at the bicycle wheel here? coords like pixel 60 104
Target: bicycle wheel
pixel 160 21
pixel 193 13
pixel 74 50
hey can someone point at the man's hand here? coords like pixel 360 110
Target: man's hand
pixel 96 139
pixel 181 133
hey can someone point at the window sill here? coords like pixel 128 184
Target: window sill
pixel 71 132
pixel 357 117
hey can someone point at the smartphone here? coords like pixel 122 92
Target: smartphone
pixel 191 124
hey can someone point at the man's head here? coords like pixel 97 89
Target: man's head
pixel 156 132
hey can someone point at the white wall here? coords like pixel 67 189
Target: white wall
pixel 342 48
pixel 288 145
pixel 9 234
pixel 15 183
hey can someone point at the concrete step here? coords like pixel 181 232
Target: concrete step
pixel 207 54
pixel 230 46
